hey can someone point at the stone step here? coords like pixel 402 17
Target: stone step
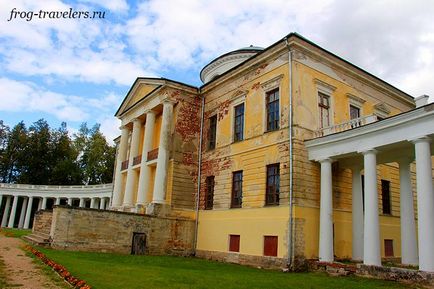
pixel 37 240
pixel 41 235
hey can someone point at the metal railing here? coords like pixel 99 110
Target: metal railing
pixel 152 155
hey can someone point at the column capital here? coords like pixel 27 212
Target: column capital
pixel 168 101
pixel 421 139
pixel 136 119
pixel 405 160
pixel 368 151
pixel 124 126
pixel 325 160
pixel 148 111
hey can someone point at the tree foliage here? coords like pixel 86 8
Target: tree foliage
pixel 42 155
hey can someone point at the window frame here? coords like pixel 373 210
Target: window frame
pixel 212 132
pixel 240 116
pixel 386 203
pixel 209 194
pixel 275 247
pixel 274 192
pixel 389 248
pixel 231 240
pixel 275 102
pixel 322 107
pixel 237 195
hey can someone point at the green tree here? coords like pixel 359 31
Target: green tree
pixel 36 167
pixel 97 156
pixel 14 152
pixel 65 170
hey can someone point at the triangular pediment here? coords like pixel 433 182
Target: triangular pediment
pixel 146 87
pixel 138 92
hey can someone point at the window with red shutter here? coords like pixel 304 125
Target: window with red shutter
pixel 270 245
pixel 234 243
pixel 388 248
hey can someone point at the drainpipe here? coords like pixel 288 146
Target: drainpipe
pixel 291 221
pixel 199 175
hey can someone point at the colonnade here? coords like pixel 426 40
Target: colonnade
pixel 18 200
pixel 9 214
pixel 365 224
pixel 128 153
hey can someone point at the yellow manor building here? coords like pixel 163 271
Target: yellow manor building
pixel 284 154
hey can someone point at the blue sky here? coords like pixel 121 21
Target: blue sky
pixel 79 70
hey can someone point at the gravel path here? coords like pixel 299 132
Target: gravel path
pixel 20 271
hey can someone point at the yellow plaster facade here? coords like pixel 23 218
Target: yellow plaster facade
pixel 300 71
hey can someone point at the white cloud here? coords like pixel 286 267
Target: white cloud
pixel 110 128
pixel 113 5
pixel 26 96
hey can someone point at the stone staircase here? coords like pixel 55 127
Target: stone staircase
pixel 38 238
pixel 41 229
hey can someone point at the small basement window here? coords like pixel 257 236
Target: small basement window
pixel 234 243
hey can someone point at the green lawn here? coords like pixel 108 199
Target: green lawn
pixel 17 233
pixel 106 271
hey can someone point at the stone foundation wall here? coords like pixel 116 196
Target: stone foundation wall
pixel 42 221
pixel 404 275
pixel 109 231
pixel 242 259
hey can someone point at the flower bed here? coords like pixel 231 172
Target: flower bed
pixel 59 269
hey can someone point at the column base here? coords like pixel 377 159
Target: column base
pixel 141 208
pixel 159 210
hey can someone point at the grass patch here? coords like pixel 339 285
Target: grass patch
pixel 112 271
pixel 15 233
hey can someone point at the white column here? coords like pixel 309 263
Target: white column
pixel 57 201
pixel 102 204
pixel 425 204
pixel 39 204
pixel 82 203
pixel 357 208
pixel 69 201
pixel 326 213
pixel 408 224
pixel 160 184
pixel 44 203
pixel 28 214
pixel 122 154
pixel 23 213
pixel 145 170
pixel 131 174
pixel 92 203
pixel 1 200
pixel 6 211
pixel 371 251
pixel 13 212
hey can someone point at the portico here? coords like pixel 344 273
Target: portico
pixel 145 147
pixel 402 139
pixel 140 159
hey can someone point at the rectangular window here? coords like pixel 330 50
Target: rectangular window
pixel 239 122
pixel 212 132
pixel 388 248
pixel 385 196
pixel 270 246
pixel 237 189
pixel 272 101
pixel 273 184
pixel 234 243
pixel 324 110
pixel 354 112
pixel 209 196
